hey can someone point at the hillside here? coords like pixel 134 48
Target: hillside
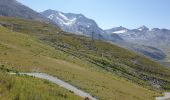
pixel 100 68
pixel 13 8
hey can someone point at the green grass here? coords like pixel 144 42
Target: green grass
pixel 166 60
pixel 28 88
pixel 104 70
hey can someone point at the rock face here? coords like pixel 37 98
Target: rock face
pixel 13 8
pixel 78 24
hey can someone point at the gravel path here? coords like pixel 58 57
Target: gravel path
pixel 165 97
pixel 74 89
pixel 61 84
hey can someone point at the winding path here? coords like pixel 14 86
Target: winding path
pixel 74 89
pixel 61 84
pixel 165 97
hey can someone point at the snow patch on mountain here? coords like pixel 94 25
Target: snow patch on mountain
pixel 121 31
pixel 140 29
pixel 62 16
pixel 51 16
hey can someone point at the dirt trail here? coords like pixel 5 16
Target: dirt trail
pixel 61 84
pixel 165 97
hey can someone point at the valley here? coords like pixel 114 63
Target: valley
pixel 53 55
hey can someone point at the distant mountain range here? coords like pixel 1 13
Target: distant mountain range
pixel 155 37
pixel 154 43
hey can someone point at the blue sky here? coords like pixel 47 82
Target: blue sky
pixel 112 13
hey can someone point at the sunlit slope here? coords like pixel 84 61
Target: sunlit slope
pixel 96 67
pixel 82 50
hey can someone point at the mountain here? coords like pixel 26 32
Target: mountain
pixel 143 28
pixel 74 23
pixel 145 40
pixel 13 8
pixel 155 37
pixel 117 30
pixel 78 24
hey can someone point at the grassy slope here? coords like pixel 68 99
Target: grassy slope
pixel 21 87
pixel 17 55
pixel 168 57
pixel 26 53
pixel 166 61
pixel 114 59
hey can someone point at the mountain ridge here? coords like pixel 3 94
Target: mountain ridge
pixel 78 24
